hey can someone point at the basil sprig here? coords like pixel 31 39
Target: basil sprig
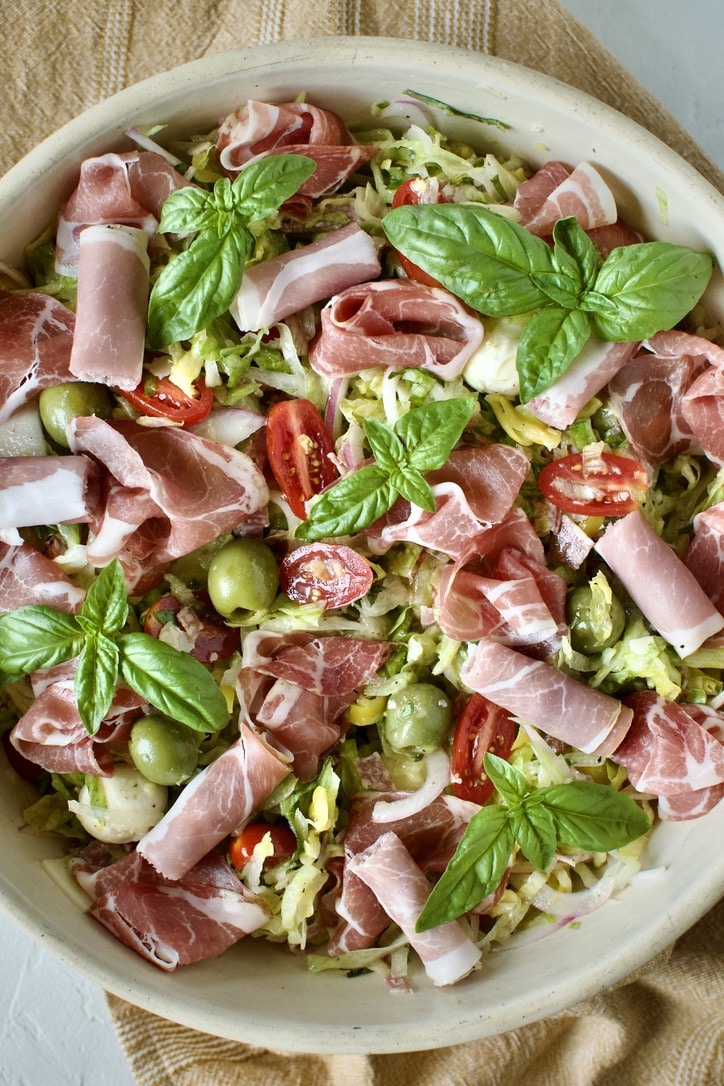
pixel 420 441
pixel 501 269
pixel 578 814
pixel 36 637
pixel 198 285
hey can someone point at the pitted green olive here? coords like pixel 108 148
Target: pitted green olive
pixel 587 633
pixel 417 719
pixel 163 750
pixel 61 403
pixel 243 575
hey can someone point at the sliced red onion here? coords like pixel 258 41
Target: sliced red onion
pixel 437 778
pixel 579 902
pixel 333 414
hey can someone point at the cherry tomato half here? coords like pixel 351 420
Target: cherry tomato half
pixel 483 728
pixel 607 486
pixel 418 190
pixel 213 639
pixel 241 847
pixel 325 573
pixel 298 445
pixel 161 398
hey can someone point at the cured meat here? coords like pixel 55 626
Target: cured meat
pixel 168 492
pixel 594 367
pixel 258 128
pixel 28 577
pixel 328 665
pixel 286 283
pixel 583 194
pixel 475 489
pixel 217 802
pixel 172 923
pixel 659 583
pixel 124 189
pixel 703 410
pixel 547 698
pixel 110 330
pixel 45 490
pixel 401 888
pixel 36 337
pixel 705 556
pixel 532 194
pixel 667 751
pixel 394 323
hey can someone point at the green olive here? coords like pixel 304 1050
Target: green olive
pixel 585 628
pixel 417 719
pixel 243 575
pixel 163 750
pixel 61 403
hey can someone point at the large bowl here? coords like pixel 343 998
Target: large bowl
pixel 262 994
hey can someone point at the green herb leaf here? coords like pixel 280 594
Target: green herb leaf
pixel 653 286
pixel 37 637
pixel 534 829
pixel 480 256
pixel 350 505
pixel 95 680
pixel 106 602
pixel 414 488
pixel 429 433
pixel 197 286
pixel 510 784
pixel 387 449
pixel 186 211
pixel 264 185
pixel 593 816
pixel 453 111
pixel 172 681
pixel 574 253
pixel 475 870
pixel 550 342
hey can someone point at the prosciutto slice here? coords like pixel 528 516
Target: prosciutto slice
pixel 286 283
pixel 28 577
pixel 705 556
pixel 125 189
pixel 402 889
pixel 168 922
pixel 36 337
pixel 583 194
pixel 594 367
pixel 217 802
pixel 659 583
pixel 547 698
pixel 258 129
pixel 110 331
pixel 397 324
pixel 45 490
pixel 703 410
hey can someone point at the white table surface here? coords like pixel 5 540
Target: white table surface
pixel 55 1029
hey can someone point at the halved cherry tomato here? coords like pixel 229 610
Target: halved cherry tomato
pixel 161 398
pixel 241 847
pixel 605 486
pixel 298 445
pixel 418 190
pixel 213 639
pixel 483 728
pixel 325 573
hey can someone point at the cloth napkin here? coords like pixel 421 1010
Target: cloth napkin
pixel 664 1025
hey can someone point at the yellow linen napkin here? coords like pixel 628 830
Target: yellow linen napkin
pixel 663 1026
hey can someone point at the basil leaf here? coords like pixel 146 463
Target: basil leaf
pixel 197 286
pixel 653 286
pixel 185 211
pixel 106 602
pixel 350 505
pixel 412 485
pixel 560 288
pixel 37 637
pixel 172 681
pixel 508 781
pixel 551 340
pixel 574 253
pixel 386 446
pixel 429 433
pixel 95 680
pixel 475 870
pixel 593 816
pixel 480 256
pixel 264 185
pixel 534 829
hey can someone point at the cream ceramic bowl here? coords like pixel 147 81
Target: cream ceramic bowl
pixel 262 994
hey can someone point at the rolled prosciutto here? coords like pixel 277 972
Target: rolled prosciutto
pixel 582 193
pixel 110 330
pixel 594 367
pixel 402 889
pixel 665 590
pixel 45 490
pixel 547 698
pixel 36 337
